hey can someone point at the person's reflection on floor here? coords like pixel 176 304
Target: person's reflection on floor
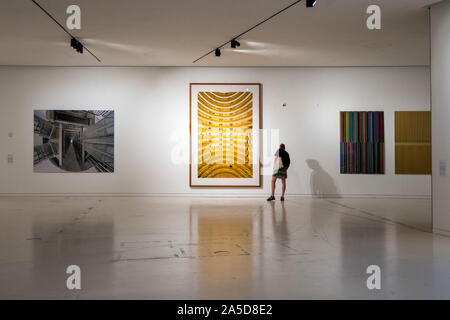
pixel 279 223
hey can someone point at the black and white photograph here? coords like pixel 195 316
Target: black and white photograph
pixel 73 141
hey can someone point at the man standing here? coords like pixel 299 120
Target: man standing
pixel 280 167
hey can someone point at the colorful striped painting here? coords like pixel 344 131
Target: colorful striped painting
pixel 362 142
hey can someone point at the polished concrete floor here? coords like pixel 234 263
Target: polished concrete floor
pixel 193 248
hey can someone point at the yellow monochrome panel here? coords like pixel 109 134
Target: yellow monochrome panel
pixel 225 125
pixel 413 142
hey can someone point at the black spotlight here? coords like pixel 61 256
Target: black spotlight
pixel 235 44
pixel 74 43
pixel 218 53
pixel 310 3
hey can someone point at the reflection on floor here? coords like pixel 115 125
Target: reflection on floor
pixel 414 213
pixel 192 248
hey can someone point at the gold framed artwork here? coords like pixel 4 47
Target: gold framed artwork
pixel 225 119
pixel 413 142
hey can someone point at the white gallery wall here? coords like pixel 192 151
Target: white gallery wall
pixel 152 125
pixel 440 70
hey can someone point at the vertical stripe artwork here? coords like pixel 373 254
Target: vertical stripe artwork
pixel 362 142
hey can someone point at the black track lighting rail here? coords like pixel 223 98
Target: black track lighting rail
pixel 248 30
pixel 64 29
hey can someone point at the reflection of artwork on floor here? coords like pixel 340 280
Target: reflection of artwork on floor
pixel 362 142
pixel 73 141
pixel 413 142
pixel 224 121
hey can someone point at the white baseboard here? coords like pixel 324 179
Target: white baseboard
pixel 441 232
pixel 215 195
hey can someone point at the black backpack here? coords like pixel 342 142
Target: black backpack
pixel 285 159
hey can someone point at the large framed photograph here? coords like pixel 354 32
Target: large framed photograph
pixel 225 123
pixel 77 141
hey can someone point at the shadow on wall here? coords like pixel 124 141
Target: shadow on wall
pixel 321 183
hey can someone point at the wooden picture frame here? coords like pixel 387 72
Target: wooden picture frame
pixel 246 172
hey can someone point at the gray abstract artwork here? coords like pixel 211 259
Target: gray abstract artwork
pixel 74 141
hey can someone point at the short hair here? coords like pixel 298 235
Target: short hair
pixel 282 146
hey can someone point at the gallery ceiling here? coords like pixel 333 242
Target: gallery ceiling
pixel 176 32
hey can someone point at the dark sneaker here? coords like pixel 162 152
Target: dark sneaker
pixel 271 198
pixel 282 198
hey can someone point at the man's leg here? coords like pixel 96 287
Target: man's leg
pixel 283 189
